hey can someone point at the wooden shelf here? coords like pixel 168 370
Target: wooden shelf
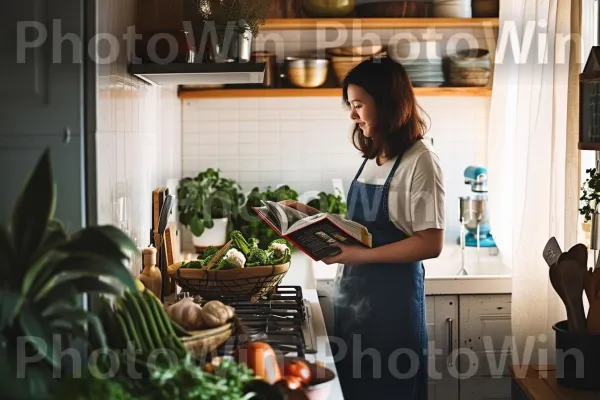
pixel 588 146
pixel 378 23
pixel 187 93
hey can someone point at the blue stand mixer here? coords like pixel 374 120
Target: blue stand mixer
pixel 473 211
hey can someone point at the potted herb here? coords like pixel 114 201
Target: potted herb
pixel 235 23
pixel 590 200
pixel 250 224
pixel 44 273
pixel 206 205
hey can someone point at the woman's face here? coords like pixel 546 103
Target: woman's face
pixel 362 109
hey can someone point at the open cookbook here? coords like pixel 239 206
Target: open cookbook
pixel 316 235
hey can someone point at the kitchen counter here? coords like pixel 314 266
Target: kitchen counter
pixel 485 273
pixel 324 353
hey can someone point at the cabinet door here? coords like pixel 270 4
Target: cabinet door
pixel 18 156
pixel 42 101
pixel 485 341
pixel 41 59
pixel 325 293
pixel 442 329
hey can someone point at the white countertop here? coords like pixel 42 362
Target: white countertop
pixel 324 353
pixel 485 274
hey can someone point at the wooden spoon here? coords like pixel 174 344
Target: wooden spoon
pixel 570 280
pixel 593 317
pixel 579 254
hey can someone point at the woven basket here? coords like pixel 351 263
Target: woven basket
pixel 250 282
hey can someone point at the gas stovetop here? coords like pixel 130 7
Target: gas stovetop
pixel 282 319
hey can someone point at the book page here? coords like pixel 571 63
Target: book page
pixel 266 212
pixel 287 216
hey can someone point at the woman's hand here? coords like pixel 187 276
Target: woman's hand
pixel 351 254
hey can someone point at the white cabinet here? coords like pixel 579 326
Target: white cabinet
pixel 442 330
pixel 485 336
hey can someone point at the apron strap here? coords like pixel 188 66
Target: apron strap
pixel 361 169
pixel 392 172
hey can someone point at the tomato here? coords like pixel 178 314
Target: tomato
pixel 298 369
pixel 291 382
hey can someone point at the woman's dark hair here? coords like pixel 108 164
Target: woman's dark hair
pixel 399 123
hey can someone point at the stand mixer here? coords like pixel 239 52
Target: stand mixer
pixel 473 213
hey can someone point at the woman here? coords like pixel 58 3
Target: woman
pixel 398 194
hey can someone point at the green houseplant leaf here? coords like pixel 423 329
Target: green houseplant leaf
pixel 6 257
pixel 54 292
pixel 104 241
pixel 8 302
pixel 74 317
pixel 39 333
pixel 33 210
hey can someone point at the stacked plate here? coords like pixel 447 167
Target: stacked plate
pixel 422 61
pixel 469 68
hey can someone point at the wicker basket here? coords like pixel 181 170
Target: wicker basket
pixel 207 342
pixel 250 282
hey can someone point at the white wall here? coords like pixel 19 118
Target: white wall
pixel 304 142
pixel 139 135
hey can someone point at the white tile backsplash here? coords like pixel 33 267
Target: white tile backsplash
pixel 139 136
pixel 305 142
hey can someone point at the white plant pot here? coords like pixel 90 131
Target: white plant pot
pixel 215 236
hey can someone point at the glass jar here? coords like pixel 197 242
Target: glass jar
pixel 328 8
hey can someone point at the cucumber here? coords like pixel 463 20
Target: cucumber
pixel 150 320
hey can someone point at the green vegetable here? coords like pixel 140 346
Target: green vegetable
pixel 225 264
pixel 88 387
pixel 238 241
pixel 275 255
pixel 209 253
pixel 257 257
pixel 198 264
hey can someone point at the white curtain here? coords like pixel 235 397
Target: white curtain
pixel 533 160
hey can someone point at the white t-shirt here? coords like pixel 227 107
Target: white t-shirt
pixel 416 198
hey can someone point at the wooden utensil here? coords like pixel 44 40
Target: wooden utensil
pixel 570 281
pixel 579 254
pixel 217 256
pixel 551 252
pixel 593 285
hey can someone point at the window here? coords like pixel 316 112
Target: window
pixel 589 36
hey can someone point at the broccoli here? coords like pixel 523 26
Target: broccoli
pixel 257 257
pixel 279 252
pixel 209 253
pixel 239 242
pixel 253 242
pixel 198 264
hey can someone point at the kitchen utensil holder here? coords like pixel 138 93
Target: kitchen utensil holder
pixel 577 358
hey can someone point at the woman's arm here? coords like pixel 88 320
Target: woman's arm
pixel 422 245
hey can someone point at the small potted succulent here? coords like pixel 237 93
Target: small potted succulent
pixel 206 205
pixel 590 199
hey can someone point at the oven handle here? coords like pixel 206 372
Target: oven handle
pixel 450 326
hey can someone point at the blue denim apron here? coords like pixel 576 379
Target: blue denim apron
pixel 380 331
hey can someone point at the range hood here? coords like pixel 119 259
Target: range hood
pixel 199 73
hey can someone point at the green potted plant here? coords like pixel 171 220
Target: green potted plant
pixel 45 272
pixel 206 204
pixel 330 203
pixel 236 23
pixel 250 224
pixel 590 199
